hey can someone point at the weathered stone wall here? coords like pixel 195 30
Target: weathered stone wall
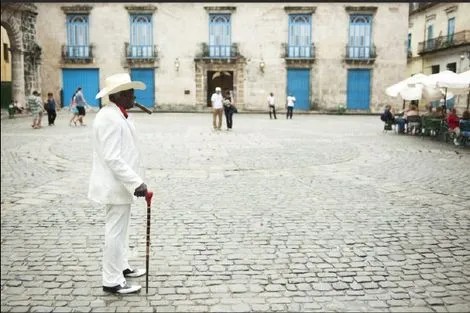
pixel 260 29
pixel 32 51
pixel 19 20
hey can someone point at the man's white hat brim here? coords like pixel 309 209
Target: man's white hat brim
pixel 125 86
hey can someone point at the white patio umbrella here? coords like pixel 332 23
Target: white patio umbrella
pixel 457 83
pixel 416 87
pixel 465 76
pixel 450 82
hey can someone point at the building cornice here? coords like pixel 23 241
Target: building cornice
pixel 451 9
pixel 141 9
pixel 430 17
pixel 361 9
pixel 423 7
pixel 300 9
pixel 220 9
pixel 77 9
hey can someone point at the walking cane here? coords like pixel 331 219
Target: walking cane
pixel 148 199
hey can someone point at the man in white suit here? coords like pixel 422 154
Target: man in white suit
pixel 116 177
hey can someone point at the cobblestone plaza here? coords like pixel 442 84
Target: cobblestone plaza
pixel 318 213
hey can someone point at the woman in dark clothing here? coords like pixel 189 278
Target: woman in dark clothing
pixel 229 109
pixel 387 115
pixel 50 108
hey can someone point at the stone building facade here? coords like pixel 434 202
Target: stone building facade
pixel 19 21
pixel 439 35
pixel 185 71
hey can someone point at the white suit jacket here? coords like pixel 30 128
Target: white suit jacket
pixel 117 169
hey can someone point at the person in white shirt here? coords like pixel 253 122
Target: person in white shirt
pixel 272 108
pixel 290 105
pixel 217 108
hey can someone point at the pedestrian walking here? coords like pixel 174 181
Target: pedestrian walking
pixel 81 105
pixel 290 105
pixel 116 177
pixel 229 109
pixel 74 110
pixel 271 106
pixel 217 108
pixel 36 108
pixel 50 107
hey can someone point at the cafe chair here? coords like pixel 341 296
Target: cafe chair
pixel 414 124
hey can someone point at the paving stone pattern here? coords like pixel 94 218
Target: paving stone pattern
pixel 317 213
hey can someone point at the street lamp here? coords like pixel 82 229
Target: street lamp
pixel 177 64
pixel 261 66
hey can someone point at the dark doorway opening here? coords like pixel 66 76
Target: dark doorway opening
pixel 222 79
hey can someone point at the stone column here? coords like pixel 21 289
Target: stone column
pixel 17 75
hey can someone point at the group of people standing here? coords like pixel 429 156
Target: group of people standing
pixel 222 105
pixel 290 103
pixel 37 107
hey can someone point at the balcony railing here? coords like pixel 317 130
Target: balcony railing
pixel 219 51
pixel 360 52
pixel 444 42
pixel 83 53
pixel 148 52
pixel 300 52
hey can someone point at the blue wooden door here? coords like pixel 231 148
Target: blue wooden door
pixel 298 84
pixel 88 79
pixel 358 97
pixel 147 76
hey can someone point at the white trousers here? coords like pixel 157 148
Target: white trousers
pixel 116 243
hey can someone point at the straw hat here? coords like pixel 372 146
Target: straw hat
pixel 119 82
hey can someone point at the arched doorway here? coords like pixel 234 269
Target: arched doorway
pixel 18 20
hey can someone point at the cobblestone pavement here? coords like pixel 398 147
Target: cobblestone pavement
pixel 318 213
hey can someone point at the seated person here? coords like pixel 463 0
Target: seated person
pixel 465 116
pixel 453 124
pixel 464 120
pixel 439 113
pixel 18 109
pixel 429 112
pixel 412 118
pixel 387 115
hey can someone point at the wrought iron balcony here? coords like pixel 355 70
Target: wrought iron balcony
pixel 444 42
pixel 140 52
pixel 77 54
pixel 219 51
pixel 360 53
pixel 299 52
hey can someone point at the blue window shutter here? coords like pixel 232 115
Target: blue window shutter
pixel 430 32
pixel 141 42
pixel 360 36
pixel 77 36
pixel 219 35
pixel 300 36
pixel 450 29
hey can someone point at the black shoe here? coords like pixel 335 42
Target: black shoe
pixel 123 289
pixel 133 273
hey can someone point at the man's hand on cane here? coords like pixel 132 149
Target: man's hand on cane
pixel 141 191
